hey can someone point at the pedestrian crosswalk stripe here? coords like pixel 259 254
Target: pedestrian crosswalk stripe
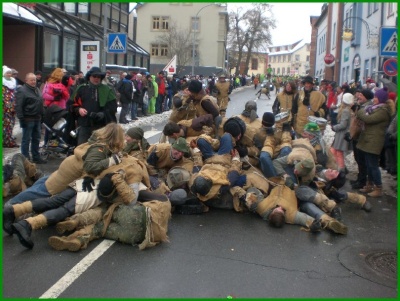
pixel 117 44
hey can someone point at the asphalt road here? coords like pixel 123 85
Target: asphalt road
pixel 221 254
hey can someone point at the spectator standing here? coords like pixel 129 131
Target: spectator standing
pixel 39 80
pixel 125 89
pixel 161 92
pixel 137 100
pixel 9 112
pixel 30 111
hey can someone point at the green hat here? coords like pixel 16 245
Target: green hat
pixel 181 145
pixel 135 133
pixel 304 167
pixel 311 128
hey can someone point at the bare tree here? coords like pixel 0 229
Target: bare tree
pixel 250 32
pixel 179 42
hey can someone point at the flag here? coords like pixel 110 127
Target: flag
pixel 171 66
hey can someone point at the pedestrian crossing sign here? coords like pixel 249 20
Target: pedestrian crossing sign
pixel 388 43
pixel 116 43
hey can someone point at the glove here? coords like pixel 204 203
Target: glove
pixel 87 184
pixel 97 117
pixel 270 131
pixel 289 182
pixel 114 160
pixel 242 150
pixel 22 123
pixel 347 137
pixel 286 127
pixel 316 114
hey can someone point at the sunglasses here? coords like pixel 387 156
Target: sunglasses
pixel 96 76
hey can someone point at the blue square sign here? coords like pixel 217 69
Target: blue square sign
pixel 388 42
pixel 116 43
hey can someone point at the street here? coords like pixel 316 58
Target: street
pixel 219 254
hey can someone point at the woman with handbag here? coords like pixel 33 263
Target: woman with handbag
pixel 340 145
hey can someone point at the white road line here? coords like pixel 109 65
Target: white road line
pixel 62 284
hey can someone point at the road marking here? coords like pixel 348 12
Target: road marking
pixel 62 284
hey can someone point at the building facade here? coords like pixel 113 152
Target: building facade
pixel 289 60
pixel 205 25
pixel 44 36
pixel 351 33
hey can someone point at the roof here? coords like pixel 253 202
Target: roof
pixel 15 11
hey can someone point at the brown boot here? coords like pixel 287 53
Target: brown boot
pixel 367 188
pixel 74 242
pixel 333 225
pixel 80 220
pixel 360 200
pixel 376 192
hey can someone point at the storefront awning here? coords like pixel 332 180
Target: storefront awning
pixel 14 11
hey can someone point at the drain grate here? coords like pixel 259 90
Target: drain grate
pixel 384 263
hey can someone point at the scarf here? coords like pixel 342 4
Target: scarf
pixel 10 83
pixel 371 108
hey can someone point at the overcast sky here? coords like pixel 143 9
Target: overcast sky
pixel 292 20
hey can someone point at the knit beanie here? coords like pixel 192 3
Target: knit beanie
pixel 382 95
pixel 135 133
pixel 6 69
pixel 368 94
pixel 106 191
pixel 348 99
pixel 232 127
pixel 195 86
pixel 268 119
pixel 392 95
pixel 201 186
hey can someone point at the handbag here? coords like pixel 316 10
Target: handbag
pixel 355 127
pixel 146 99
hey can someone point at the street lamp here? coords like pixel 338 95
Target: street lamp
pixel 194 34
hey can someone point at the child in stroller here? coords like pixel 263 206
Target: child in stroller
pixel 55 124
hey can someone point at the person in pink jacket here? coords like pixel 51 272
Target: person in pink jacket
pixel 54 91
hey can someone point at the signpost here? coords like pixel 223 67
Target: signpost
pixel 90 55
pixel 116 43
pixel 390 67
pixel 388 41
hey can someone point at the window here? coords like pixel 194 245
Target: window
pixel 366 68
pixel 69 53
pixel 279 70
pixel 390 8
pixel 334 36
pixel 160 23
pixel 164 50
pixel 51 50
pixel 254 64
pixel 284 58
pixel 196 24
pixel 307 58
pixel 159 50
pixel 154 49
pixel 373 66
pixel 288 70
pixel 376 7
pixel 279 58
pixel 297 57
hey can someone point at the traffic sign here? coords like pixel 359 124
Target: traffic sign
pixel 390 67
pixel 388 41
pixel 116 43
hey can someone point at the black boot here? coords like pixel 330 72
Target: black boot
pixel 336 213
pixel 8 219
pixel 316 226
pixel 24 230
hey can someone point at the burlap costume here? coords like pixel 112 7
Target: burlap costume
pixel 70 169
pixel 144 224
pixel 199 109
pixel 317 100
pixel 185 111
pixel 274 143
pixel 252 127
pixel 24 174
pixel 223 92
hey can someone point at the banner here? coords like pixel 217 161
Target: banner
pixel 171 66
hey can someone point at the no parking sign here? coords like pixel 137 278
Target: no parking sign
pixel 390 67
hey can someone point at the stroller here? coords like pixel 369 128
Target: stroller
pixel 55 123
